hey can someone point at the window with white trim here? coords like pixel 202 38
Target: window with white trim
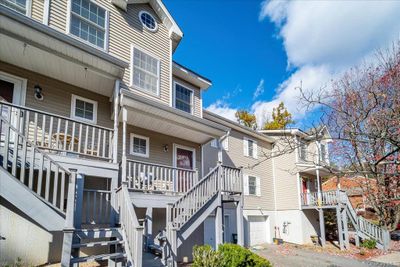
pixel 252 185
pixel 145 71
pixel 148 21
pixel 88 22
pixel 250 148
pixel 139 145
pixel 83 109
pixel 303 151
pixel 17 5
pixel 225 144
pixel 183 98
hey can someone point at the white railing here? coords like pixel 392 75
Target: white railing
pixel 219 179
pixel 133 231
pixel 156 177
pixel 328 198
pixel 96 207
pixel 33 167
pixel 60 134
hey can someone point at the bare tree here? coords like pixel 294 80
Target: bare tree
pixel 362 113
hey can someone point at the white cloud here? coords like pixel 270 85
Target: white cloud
pixel 322 39
pixel 223 109
pixel 259 90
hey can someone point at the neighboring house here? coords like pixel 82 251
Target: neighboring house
pixel 102 135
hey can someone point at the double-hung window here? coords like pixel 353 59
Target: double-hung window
pixel 250 148
pixel 145 72
pixel 303 151
pixel 88 22
pixel 20 6
pixel 84 109
pixel 139 145
pixel 183 98
pixel 252 185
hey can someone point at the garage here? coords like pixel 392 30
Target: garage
pixel 258 230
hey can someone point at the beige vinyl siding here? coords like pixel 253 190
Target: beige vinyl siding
pixel 37 10
pixel 157 142
pixel 286 182
pixel 260 167
pixel 196 95
pixel 126 29
pixel 58 15
pixel 57 95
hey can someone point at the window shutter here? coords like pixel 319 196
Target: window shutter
pixel 246 185
pixel 258 188
pixel 245 147
pixel 255 150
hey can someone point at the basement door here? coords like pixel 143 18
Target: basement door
pixel 258 230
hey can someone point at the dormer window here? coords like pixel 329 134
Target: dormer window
pixel 148 21
pixel 17 5
pixel 183 98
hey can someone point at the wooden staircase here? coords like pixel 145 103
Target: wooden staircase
pixel 189 211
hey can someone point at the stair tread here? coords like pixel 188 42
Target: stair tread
pixel 97 243
pixel 97 229
pixel 99 257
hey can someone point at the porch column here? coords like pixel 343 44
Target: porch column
pixel 239 222
pixel 80 182
pixel 124 136
pixel 340 227
pixel 319 187
pixel 218 226
pixel 322 227
pixel 116 121
pixel 149 226
pixel 345 229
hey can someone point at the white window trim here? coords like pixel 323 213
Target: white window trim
pixel 247 186
pixel 132 136
pixel 176 146
pixel 246 148
pixel 191 98
pixel 158 71
pixel 73 105
pixel 28 8
pixel 107 26
pixel 145 26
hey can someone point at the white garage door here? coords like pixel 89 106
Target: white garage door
pixel 258 230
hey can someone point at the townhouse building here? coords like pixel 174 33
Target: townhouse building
pixel 106 152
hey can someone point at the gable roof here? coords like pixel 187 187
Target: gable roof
pixel 175 33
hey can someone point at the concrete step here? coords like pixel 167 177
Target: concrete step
pixel 98 233
pixel 98 244
pixel 112 256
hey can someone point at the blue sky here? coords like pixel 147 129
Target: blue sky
pixel 239 44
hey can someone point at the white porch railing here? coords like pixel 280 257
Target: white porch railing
pixel 60 134
pixel 156 177
pixel 96 207
pixel 132 230
pixel 32 167
pixel 328 198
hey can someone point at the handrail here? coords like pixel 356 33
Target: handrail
pixel 61 134
pixel 51 177
pixel 2 102
pixel 133 231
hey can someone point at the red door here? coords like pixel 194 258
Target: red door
pixel 184 160
pixel 304 183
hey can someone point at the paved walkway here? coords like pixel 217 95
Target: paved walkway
pixel 305 258
pixel 392 258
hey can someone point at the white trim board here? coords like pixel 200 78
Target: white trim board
pixel 20 84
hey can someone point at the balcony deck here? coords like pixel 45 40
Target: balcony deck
pixel 329 199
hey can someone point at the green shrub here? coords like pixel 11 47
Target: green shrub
pixel 368 243
pixel 227 255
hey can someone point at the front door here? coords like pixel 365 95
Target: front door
pixel 184 159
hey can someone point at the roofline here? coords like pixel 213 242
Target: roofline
pixel 293 131
pixel 193 72
pixel 237 126
pixel 29 22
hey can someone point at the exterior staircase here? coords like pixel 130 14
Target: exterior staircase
pixel 364 228
pixel 189 211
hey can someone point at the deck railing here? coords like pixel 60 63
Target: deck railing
pixel 96 206
pixel 32 167
pixel 132 230
pixel 156 177
pixel 328 198
pixel 60 134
